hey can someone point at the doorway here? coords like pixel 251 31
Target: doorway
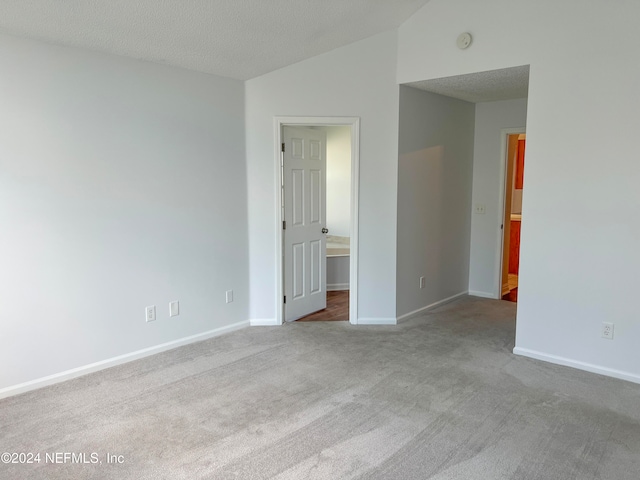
pixel 515 145
pixel 338 224
pixel 317 123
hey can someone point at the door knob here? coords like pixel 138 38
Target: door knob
pixel 325 230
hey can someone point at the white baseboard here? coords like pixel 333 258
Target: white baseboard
pixel 377 321
pixel 431 307
pixel 112 362
pixel 567 362
pixel 335 287
pixel 476 293
pixel 263 322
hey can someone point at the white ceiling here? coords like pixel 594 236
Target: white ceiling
pixel 234 38
pixel 490 86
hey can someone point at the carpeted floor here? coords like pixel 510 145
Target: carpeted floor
pixel 437 397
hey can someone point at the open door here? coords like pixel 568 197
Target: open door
pixel 304 241
pixel 514 174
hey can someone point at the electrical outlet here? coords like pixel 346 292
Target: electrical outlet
pixel 229 296
pixel 480 208
pixel 150 313
pixel 174 309
pixel 421 282
pixel 607 330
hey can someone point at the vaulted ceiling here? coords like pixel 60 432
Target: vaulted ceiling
pixel 241 39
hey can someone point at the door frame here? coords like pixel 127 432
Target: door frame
pixel 504 152
pixel 354 124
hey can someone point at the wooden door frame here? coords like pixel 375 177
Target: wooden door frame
pixel 354 124
pixel 504 139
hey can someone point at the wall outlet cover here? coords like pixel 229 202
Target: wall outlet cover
pixel 150 313
pixel 607 330
pixel 174 308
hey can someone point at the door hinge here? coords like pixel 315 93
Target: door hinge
pixel 284 224
pixel 283 147
pixel 285 299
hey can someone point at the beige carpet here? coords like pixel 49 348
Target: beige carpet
pixel 438 397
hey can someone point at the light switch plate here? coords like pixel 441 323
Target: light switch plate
pixel 480 208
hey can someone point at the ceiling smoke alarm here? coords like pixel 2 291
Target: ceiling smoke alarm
pixel 464 40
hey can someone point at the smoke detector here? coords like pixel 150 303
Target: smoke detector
pixel 464 40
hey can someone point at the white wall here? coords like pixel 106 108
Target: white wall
pixel 338 270
pixel 488 163
pixel 122 185
pixel 339 180
pixel 579 259
pixel 356 80
pixel 434 198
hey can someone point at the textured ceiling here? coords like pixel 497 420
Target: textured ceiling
pixel 234 38
pixel 490 86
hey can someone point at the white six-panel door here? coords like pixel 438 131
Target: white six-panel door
pixel 304 184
